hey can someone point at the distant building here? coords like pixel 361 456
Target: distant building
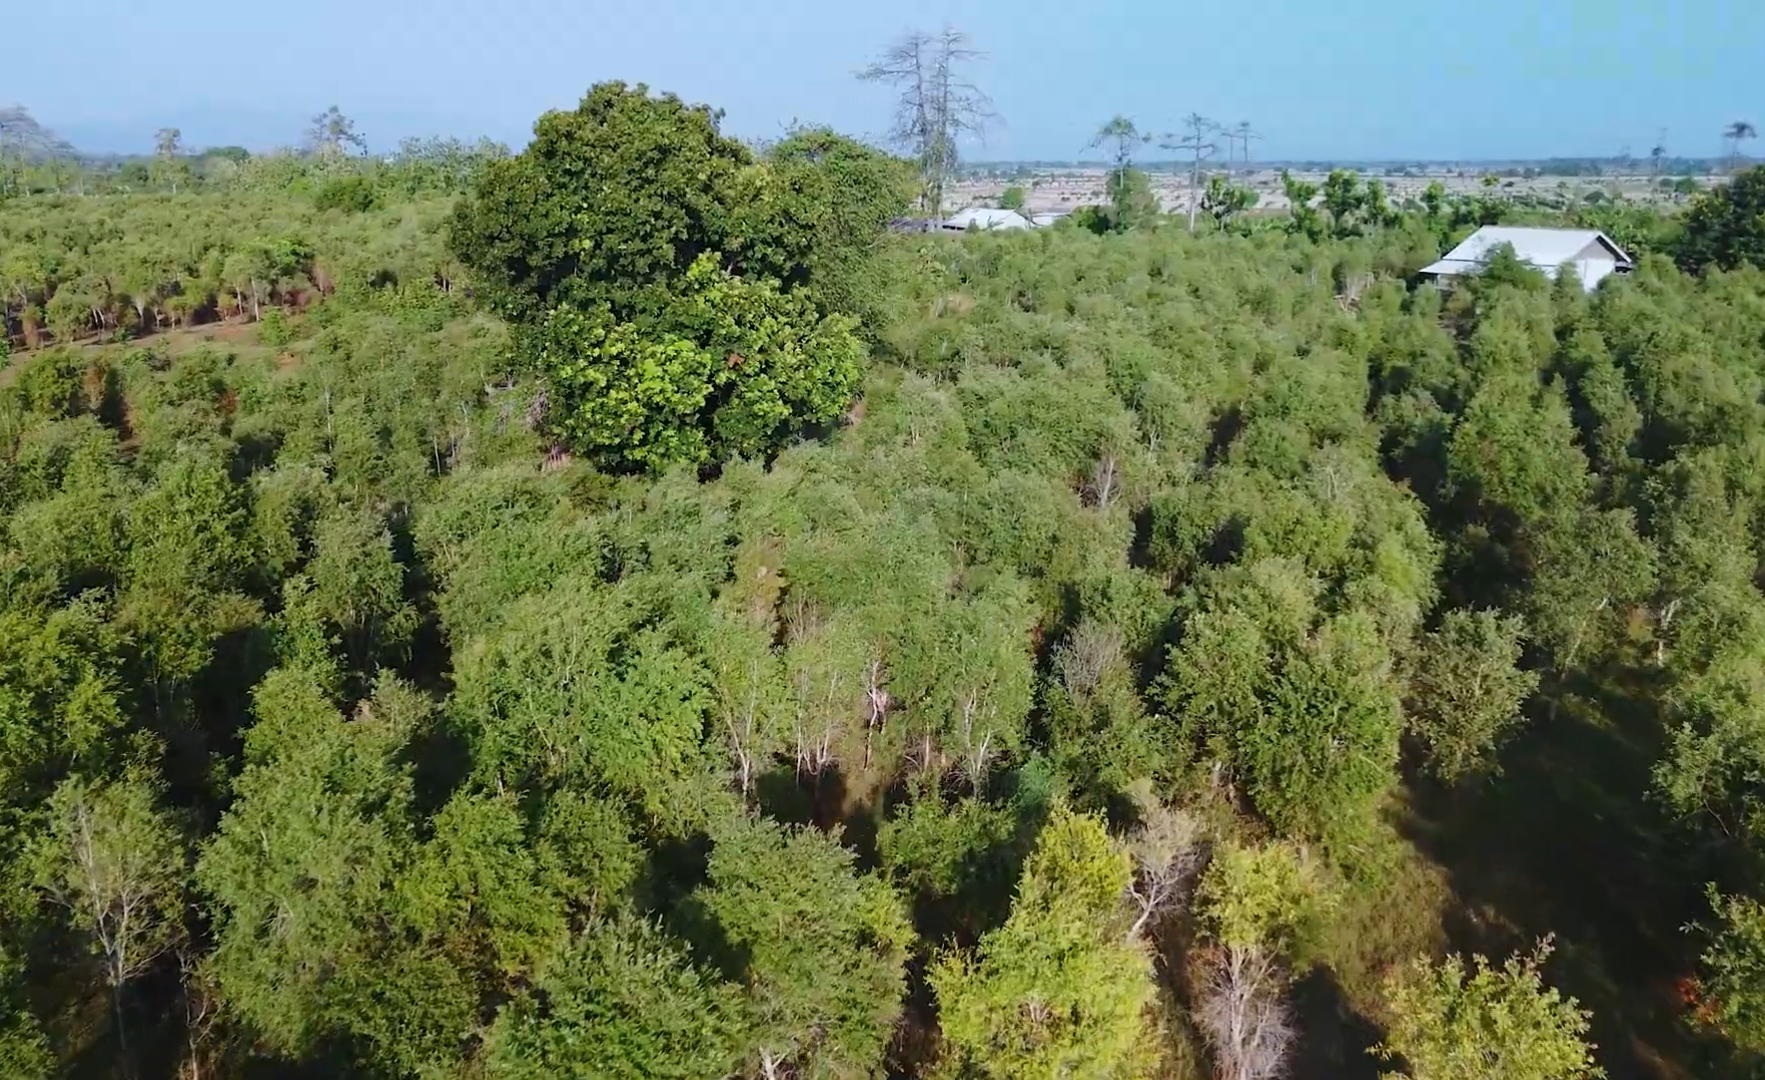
pixel 1590 252
pixel 914 225
pixel 1044 218
pixel 986 219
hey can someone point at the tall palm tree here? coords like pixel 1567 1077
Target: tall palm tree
pixel 1737 133
pixel 1121 138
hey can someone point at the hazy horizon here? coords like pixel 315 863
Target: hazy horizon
pixel 1347 83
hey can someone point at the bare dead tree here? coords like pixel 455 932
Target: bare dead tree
pixel 120 870
pixel 1665 613
pixel 814 729
pixel 877 702
pixel 1244 1015
pixel 202 1012
pixel 555 458
pixel 1087 654
pixel 1105 482
pixel 1241 136
pixel 875 696
pixel 803 620
pixel 1196 139
pixel 936 104
pixel 1348 293
pixel 820 690
pixel 774 1065
pixel 741 722
pixel 977 740
pixel 1167 854
pixel 923 755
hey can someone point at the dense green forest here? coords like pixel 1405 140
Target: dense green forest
pixel 615 611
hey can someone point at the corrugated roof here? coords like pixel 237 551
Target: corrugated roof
pixel 1544 249
pixel 986 217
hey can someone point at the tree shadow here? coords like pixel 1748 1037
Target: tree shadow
pixel 1140 555
pixel 251 452
pixel 676 865
pixel 705 934
pixel 440 760
pixel 826 800
pixel 1225 430
pixel 428 662
pixel 1567 841
pixel 1335 1040
pixel 211 738
pixel 782 794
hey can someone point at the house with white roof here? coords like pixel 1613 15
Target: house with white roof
pixel 1592 253
pixel 987 219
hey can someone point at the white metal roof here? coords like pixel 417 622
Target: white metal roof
pixel 986 217
pixel 1543 249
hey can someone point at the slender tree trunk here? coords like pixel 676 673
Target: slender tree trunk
pixel 122 1034
pixel 1194 189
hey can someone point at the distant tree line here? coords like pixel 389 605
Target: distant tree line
pixel 33 160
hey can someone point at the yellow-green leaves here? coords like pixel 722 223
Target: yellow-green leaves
pixel 615 391
pixel 1260 897
pixel 1732 981
pixel 1455 1021
pixel 1058 990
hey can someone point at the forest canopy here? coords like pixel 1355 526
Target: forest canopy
pixel 616 610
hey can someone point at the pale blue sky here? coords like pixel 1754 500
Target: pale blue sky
pixel 1320 78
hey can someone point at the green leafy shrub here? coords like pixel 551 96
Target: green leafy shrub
pixel 1725 226
pixel 1453 1022
pixel 52 384
pixel 350 194
pixel 273 329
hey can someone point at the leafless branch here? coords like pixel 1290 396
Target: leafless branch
pixel 1087 654
pixel 1105 482
pixel 1241 1010
pixel 977 740
pixel 1196 139
pixel 1167 853
pixel 202 1012
pixel 937 105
